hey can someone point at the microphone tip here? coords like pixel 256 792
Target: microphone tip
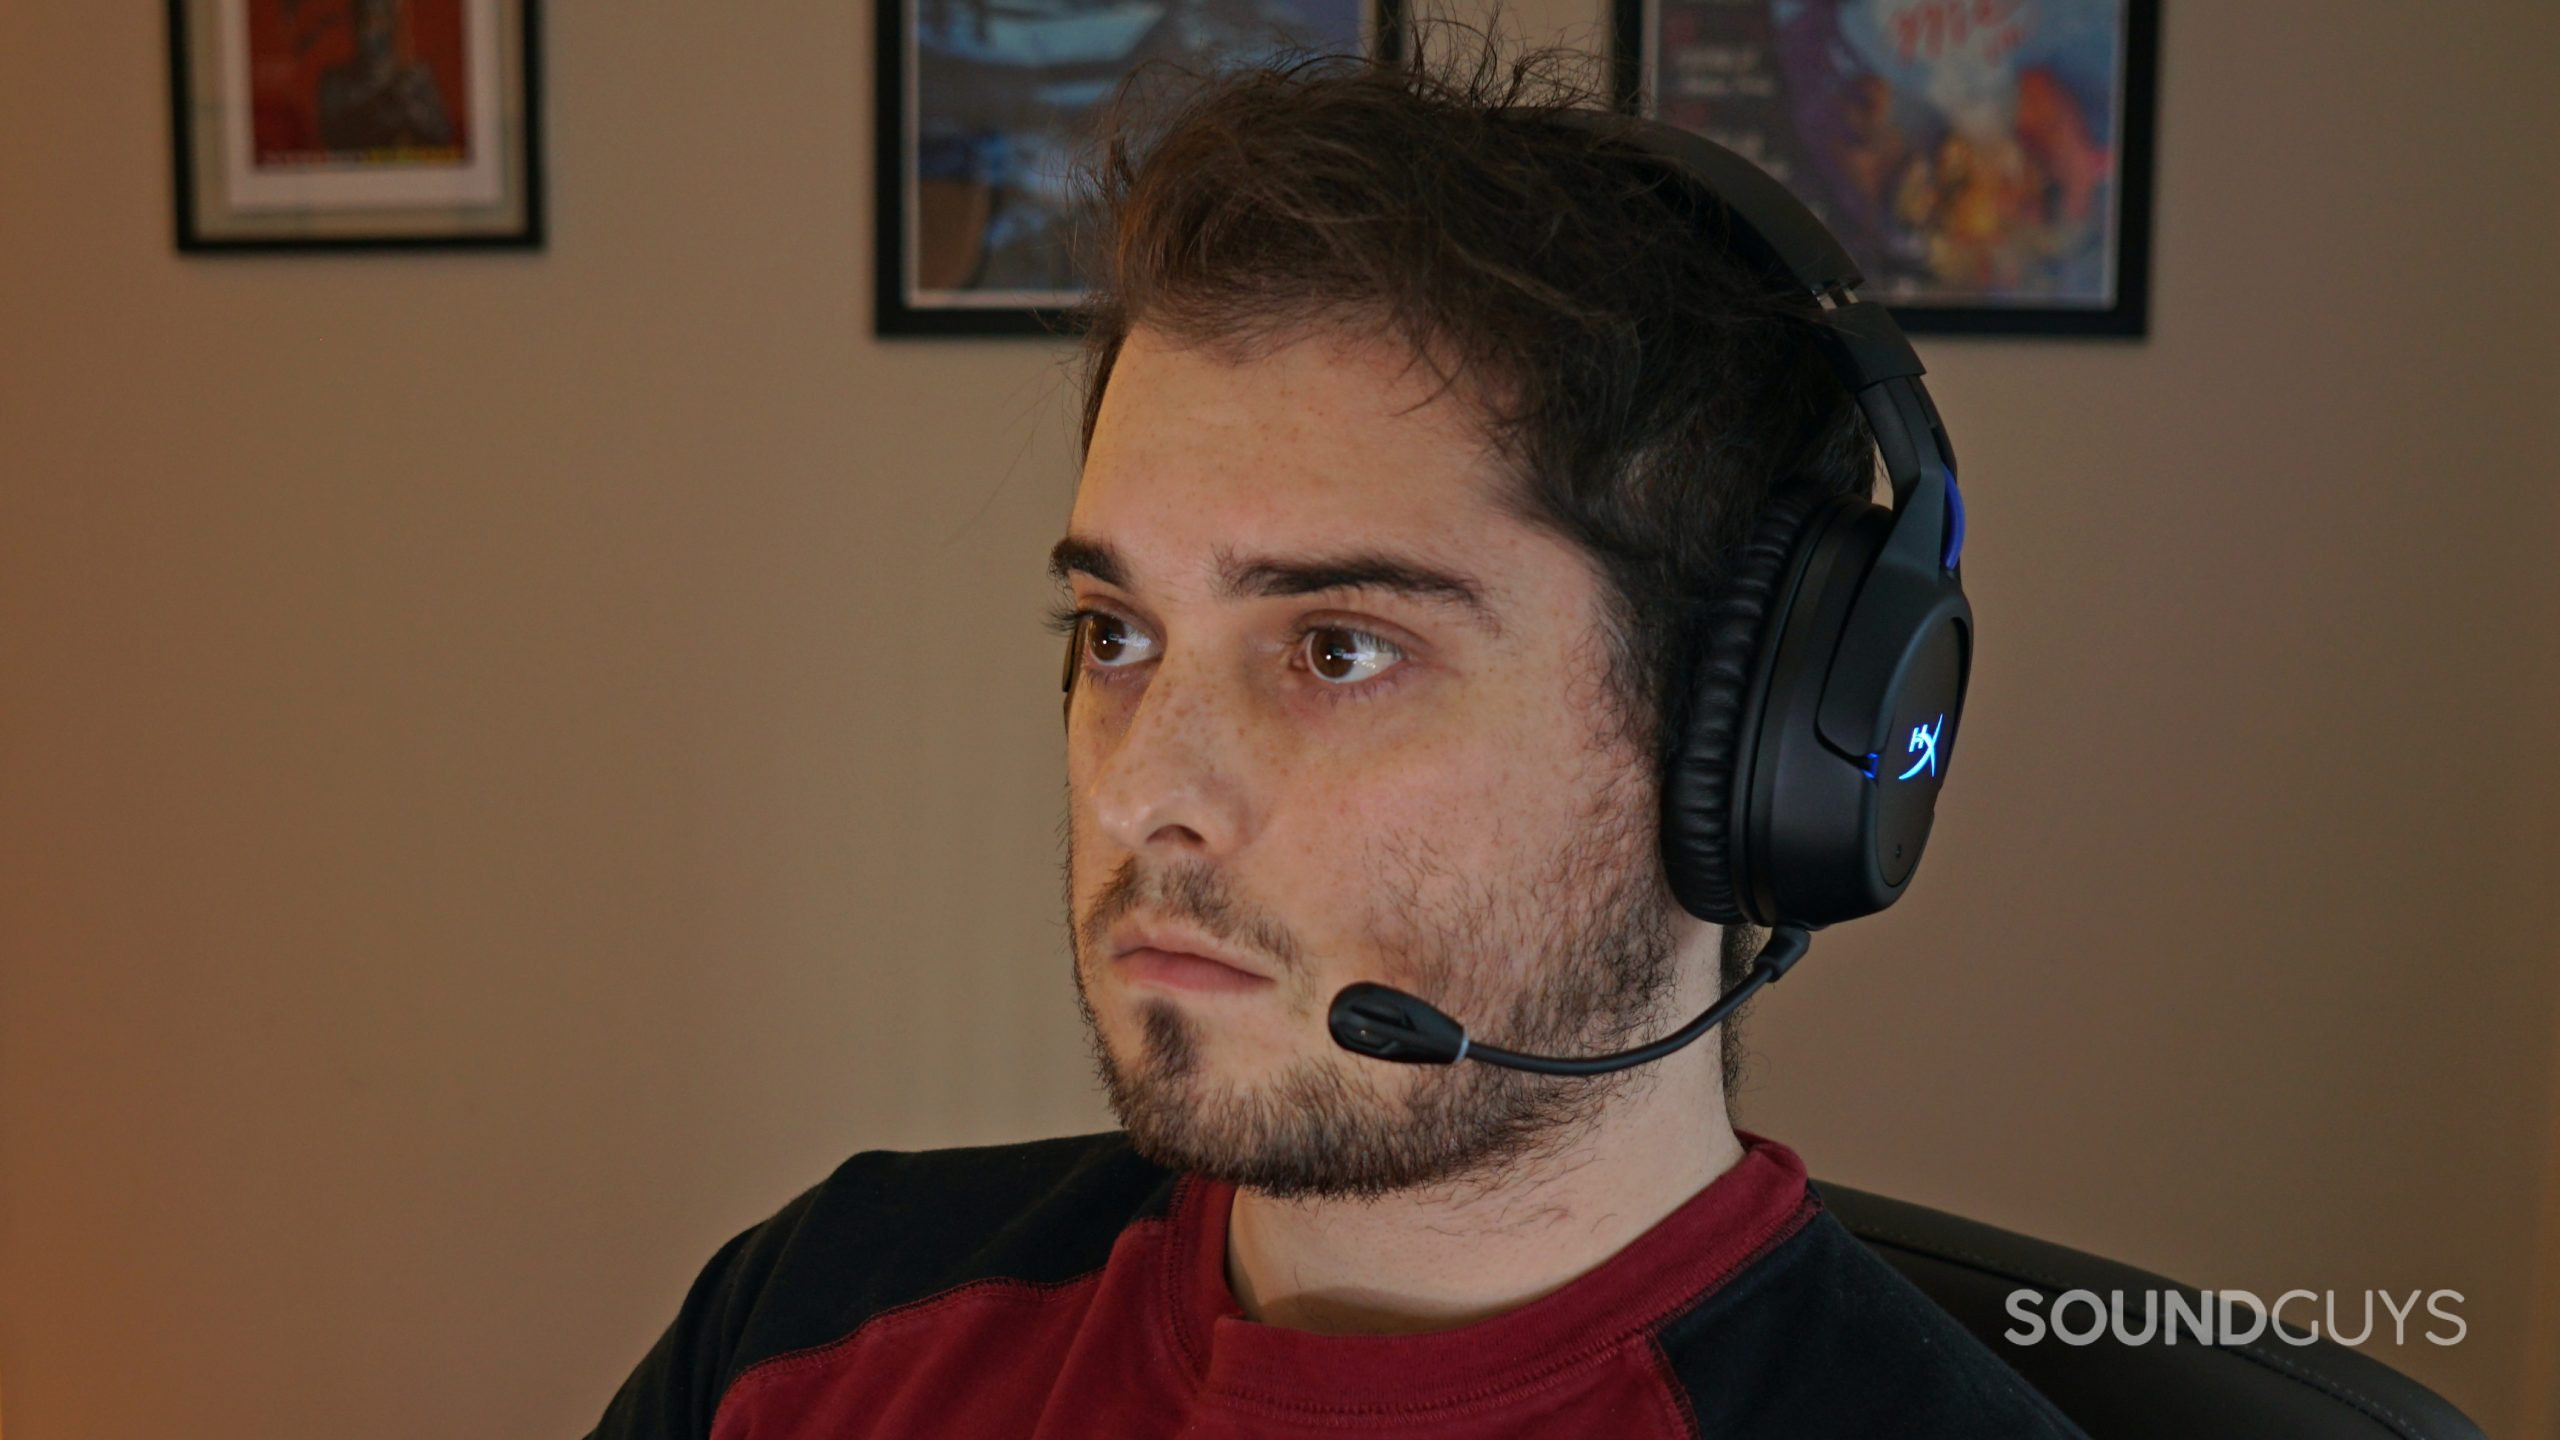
pixel 1387 1024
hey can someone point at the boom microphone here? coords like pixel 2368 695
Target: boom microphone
pixel 1388 1024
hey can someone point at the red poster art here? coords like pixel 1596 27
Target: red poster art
pixel 364 82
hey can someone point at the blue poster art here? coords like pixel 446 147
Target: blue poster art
pixel 1003 95
pixel 1970 153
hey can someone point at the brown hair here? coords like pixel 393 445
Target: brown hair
pixel 1645 388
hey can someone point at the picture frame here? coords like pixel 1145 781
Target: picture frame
pixel 980 106
pixel 1987 162
pixel 355 124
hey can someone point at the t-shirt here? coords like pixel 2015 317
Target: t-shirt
pixel 1070 1288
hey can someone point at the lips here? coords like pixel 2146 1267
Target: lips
pixel 1179 960
pixel 1173 970
pixel 1174 940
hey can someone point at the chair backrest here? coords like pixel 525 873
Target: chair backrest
pixel 2268 1389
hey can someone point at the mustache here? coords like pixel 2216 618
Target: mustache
pixel 1197 895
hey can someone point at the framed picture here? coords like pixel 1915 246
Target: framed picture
pixel 338 124
pixel 984 105
pixel 1988 162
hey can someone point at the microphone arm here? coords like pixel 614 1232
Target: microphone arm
pixel 1388 1024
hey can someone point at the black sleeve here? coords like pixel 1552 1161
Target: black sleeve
pixel 677 1385
pixel 886 1229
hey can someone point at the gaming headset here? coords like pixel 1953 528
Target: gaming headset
pixel 1831 673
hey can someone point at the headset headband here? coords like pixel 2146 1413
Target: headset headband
pixel 1865 345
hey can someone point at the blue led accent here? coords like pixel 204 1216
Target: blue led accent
pixel 1924 743
pixel 1871 765
pixel 1955 520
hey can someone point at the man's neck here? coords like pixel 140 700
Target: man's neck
pixel 1440 1257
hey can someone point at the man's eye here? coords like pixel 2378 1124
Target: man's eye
pixel 1113 643
pixel 1342 656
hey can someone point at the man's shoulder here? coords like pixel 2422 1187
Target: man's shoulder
pixel 888 1228
pixel 893 1227
pixel 1821 1337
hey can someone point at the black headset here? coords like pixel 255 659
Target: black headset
pixel 1831 674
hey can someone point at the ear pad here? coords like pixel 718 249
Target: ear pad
pixel 1699 781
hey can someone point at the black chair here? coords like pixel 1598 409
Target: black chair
pixel 2268 1389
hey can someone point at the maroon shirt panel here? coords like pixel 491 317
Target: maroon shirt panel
pixel 1155 1345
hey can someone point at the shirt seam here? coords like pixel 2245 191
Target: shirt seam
pixel 1675 1394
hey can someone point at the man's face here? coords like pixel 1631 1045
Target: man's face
pixel 1340 716
pixel 377 28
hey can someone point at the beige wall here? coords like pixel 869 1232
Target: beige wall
pixel 512 765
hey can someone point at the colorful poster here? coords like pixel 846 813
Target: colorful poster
pixel 998 98
pixel 331 124
pixel 370 82
pixel 359 104
pixel 1972 154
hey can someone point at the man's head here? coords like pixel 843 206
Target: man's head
pixel 1419 433
pixel 377 25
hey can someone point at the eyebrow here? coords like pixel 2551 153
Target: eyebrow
pixel 1240 576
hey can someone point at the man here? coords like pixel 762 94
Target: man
pixel 381 99
pixel 1418 438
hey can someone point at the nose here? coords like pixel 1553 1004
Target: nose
pixel 1167 773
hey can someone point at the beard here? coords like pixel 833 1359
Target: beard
pixel 1588 937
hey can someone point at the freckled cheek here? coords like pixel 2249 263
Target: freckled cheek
pixel 1372 844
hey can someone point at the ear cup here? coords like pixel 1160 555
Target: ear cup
pixel 1704 769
